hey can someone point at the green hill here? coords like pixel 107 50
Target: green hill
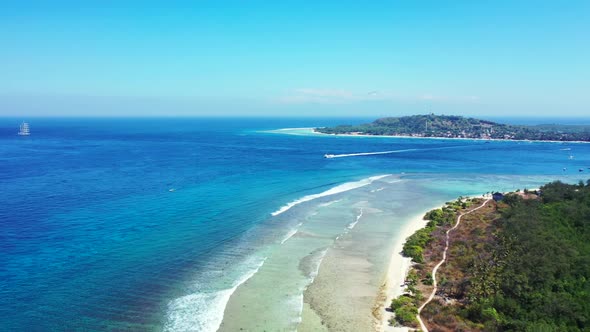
pixel 450 126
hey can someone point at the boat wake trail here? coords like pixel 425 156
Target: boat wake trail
pixel 330 156
pixel 367 153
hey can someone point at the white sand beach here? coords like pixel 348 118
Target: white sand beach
pixel 397 271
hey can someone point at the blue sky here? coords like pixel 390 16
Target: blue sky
pixel 282 58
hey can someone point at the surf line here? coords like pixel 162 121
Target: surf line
pixel 352 224
pixel 335 190
pixel 204 311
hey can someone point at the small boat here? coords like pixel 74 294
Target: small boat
pixel 571 157
pixel 24 129
pixel 329 156
pixel 564 169
pixel 581 170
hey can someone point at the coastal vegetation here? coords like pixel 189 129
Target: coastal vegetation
pixel 406 306
pixel 415 244
pixel 450 126
pixel 521 264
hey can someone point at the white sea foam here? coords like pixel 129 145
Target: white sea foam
pixel 368 153
pixel 329 203
pixel 352 224
pixel 336 190
pixel 376 190
pixel 203 311
pixel 317 262
pixel 319 257
pixel 288 129
pixel 291 233
pixel 299 303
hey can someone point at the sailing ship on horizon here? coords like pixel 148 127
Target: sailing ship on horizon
pixel 24 129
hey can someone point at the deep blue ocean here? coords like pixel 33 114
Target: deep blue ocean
pixel 104 221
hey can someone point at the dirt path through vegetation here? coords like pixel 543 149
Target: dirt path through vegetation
pixel 422 325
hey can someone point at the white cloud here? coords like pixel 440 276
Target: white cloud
pixel 327 96
pixel 339 96
pixel 449 99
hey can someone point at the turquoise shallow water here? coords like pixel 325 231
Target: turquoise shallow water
pixel 151 224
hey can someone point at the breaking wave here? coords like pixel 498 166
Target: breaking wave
pixel 336 190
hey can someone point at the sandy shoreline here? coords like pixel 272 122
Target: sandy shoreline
pixel 450 138
pixel 341 268
pixel 399 267
pixel 362 272
pixel 314 132
pixel 396 273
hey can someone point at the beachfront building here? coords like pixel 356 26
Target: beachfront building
pixel 497 196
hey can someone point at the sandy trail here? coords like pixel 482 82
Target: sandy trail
pixel 422 325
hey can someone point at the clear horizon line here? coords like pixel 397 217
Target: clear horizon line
pixel 327 116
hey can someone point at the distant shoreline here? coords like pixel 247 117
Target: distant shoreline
pixel 459 127
pixel 437 137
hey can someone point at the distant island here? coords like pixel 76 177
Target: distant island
pixel 449 126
